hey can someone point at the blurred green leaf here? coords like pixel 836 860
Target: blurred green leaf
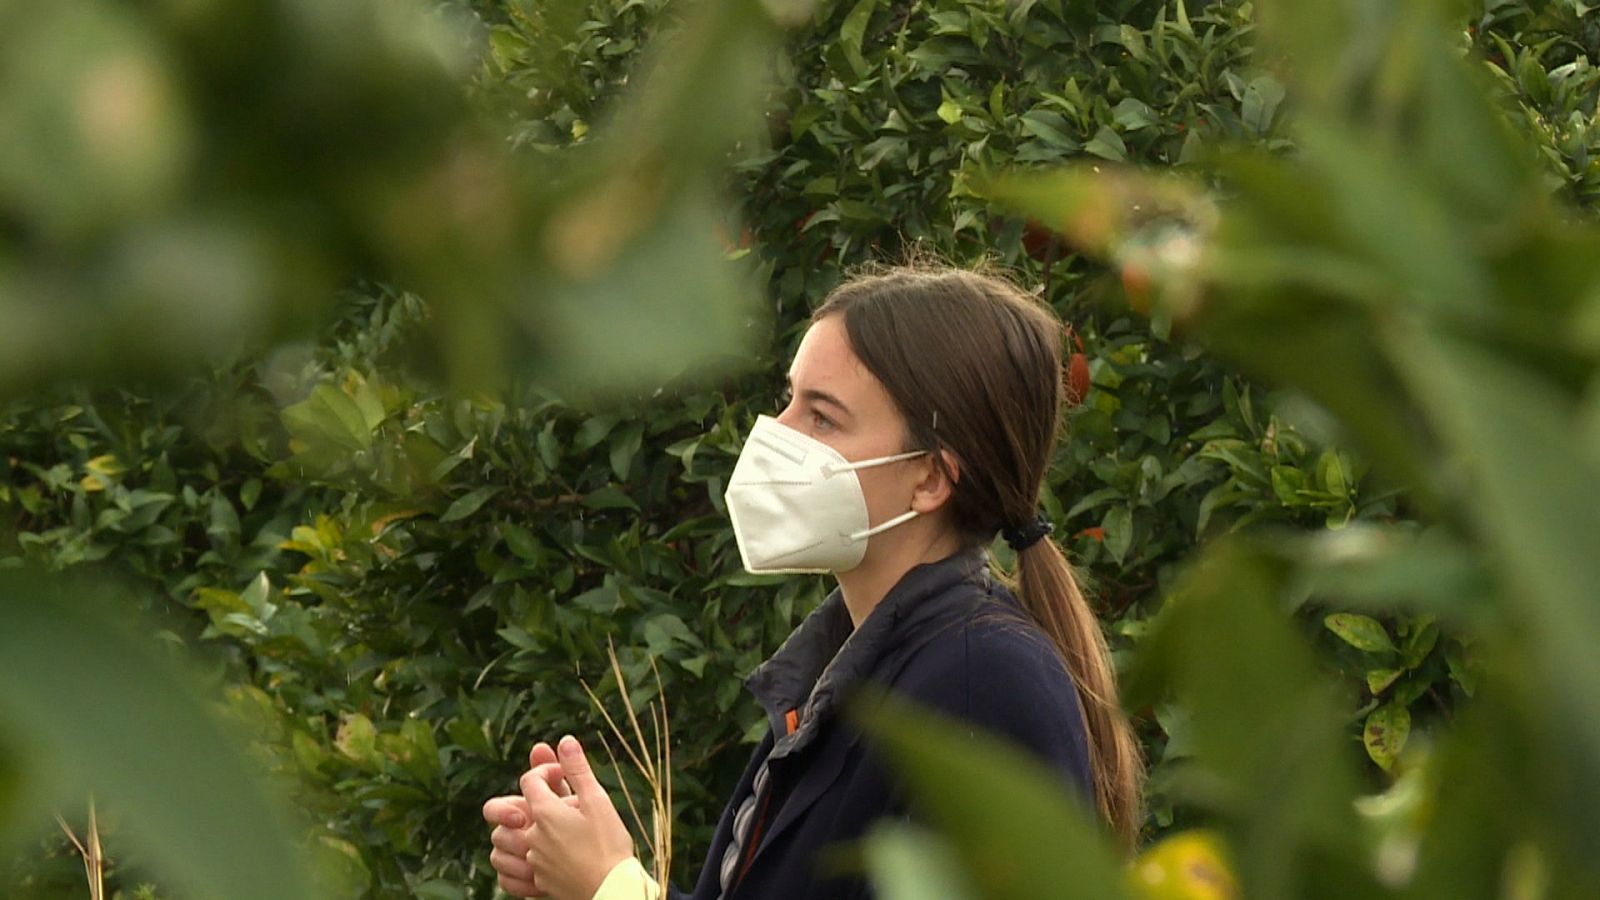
pixel 1530 501
pixel 1018 827
pixel 1263 723
pixel 908 863
pixel 84 696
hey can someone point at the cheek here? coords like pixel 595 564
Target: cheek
pixel 886 496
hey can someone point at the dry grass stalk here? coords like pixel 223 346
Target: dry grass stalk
pixel 94 861
pixel 651 758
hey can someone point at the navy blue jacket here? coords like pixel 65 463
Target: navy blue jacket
pixel 947 637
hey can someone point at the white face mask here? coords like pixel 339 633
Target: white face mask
pixel 797 505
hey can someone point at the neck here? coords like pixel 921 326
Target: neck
pixel 865 586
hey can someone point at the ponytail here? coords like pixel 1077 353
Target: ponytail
pixel 1049 592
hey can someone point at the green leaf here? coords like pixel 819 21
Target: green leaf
pixel 468 503
pixel 609 497
pixel 1532 499
pixel 1118 525
pixel 249 493
pixel 906 862
pixel 1175 722
pixel 1131 38
pixel 1461 669
pixel 440 890
pixel 1107 144
pixel 423 758
pixel 593 430
pixel 853 31
pixel 520 540
pixel 1287 483
pixel 462 454
pixel 1330 472
pixel 701 301
pixel 258 597
pixel 367 402
pixel 1091 500
pixel 1049 126
pixel 624 445
pixel 520 638
pixel 341 862
pixel 331 416
pixel 1385 734
pixel 224 519
pixel 1265 728
pixel 663 632
pixel 549 446
pixel 1361 632
pixel 1420 642
pixel 605 599
pixel 1021 831
pixel 1133 114
pixel 507 46
pixel 122 721
pixel 1378 680
pixel 357 738
pixel 1260 103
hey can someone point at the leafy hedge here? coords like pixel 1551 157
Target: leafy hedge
pixel 402 585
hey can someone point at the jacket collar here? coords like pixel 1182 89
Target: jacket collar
pixel 824 657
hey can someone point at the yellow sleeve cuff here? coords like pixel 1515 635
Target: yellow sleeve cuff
pixel 628 881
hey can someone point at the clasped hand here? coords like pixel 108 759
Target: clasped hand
pixel 562 835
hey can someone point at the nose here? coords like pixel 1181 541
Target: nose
pixel 790 415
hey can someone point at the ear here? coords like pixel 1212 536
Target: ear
pixel 937 484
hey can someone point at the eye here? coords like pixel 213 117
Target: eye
pixel 785 396
pixel 820 421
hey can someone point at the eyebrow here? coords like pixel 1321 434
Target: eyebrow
pixel 815 396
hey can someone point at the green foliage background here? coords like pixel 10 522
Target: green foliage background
pixel 398 585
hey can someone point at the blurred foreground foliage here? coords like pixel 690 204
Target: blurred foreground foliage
pixel 1348 347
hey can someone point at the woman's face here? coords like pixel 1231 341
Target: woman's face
pixel 833 398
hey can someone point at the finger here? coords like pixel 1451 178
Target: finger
pixel 511 840
pixel 576 768
pixel 553 776
pixel 510 811
pixel 509 865
pixel 540 754
pixel 539 794
pixel 520 887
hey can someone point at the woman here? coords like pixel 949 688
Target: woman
pixel 923 413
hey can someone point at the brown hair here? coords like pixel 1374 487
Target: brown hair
pixel 974 364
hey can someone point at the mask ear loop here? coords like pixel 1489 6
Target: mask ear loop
pixel 906 516
pixel 831 469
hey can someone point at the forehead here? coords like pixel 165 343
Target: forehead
pixel 825 354
pixel 826 362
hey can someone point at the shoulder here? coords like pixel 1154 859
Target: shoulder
pixel 1004 676
pixel 998 671
pixel 997 653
